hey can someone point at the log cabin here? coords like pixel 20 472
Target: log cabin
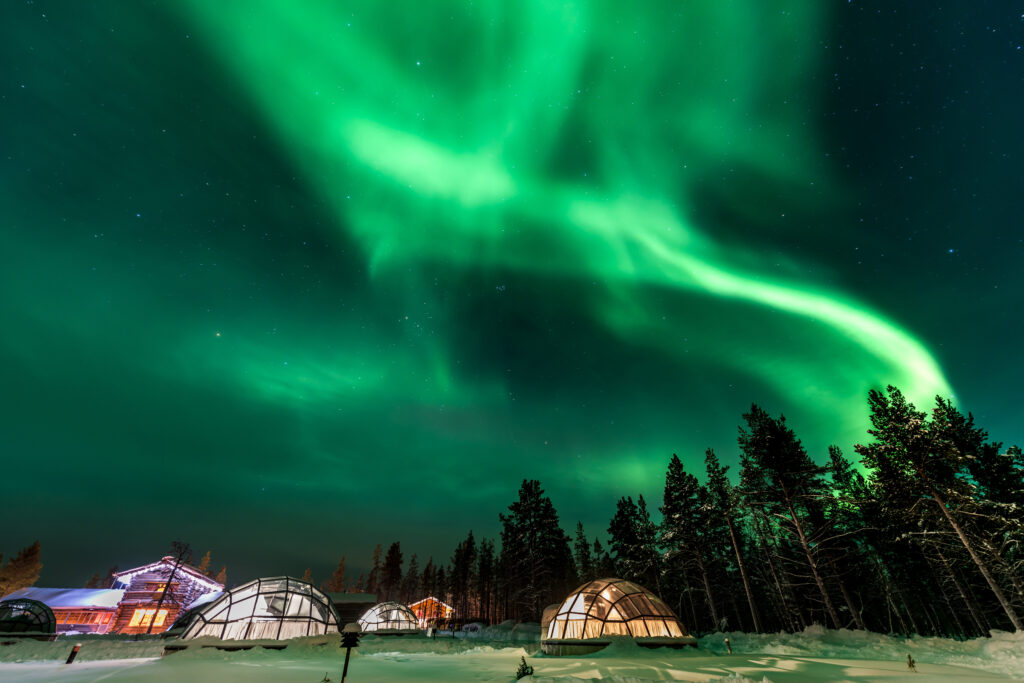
pixel 156 593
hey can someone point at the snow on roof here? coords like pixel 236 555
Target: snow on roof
pixel 431 597
pixel 56 598
pixel 127 575
pixel 204 598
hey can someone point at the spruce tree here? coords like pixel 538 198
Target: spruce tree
pixel 22 570
pixel 391 573
pixel 535 553
pixel 633 538
pixel 723 498
pixel 410 583
pixel 927 457
pixel 373 578
pixel 204 564
pixel 684 530
pixel 781 480
pixel 582 555
pixel 485 579
pixel 336 584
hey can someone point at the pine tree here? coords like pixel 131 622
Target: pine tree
pixel 336 584
pixel 684 530
pixel 94 581
pixel 536 560
pixel 21 571
pixel 373 578
pixel 108 580
pixel 582 555
pixel 222 575
pixel 723 498
pixel 604 565
pixel 410 582
pixel 307 575
pixel 204 564
pixel 780 479
pixel 391 572
pixel 428 579
pixel 485 579
pixel 462 575
pixel 925 457
pixel 632 537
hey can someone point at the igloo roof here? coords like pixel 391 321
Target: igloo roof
pixel 613 607
pixel 388 616
pixel 22 615
pixel 278 608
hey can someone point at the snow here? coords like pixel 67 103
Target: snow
pixel 58 598
pixel 494 654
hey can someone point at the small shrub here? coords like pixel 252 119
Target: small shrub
pixel 524 669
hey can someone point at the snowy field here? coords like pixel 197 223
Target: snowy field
pixel 814 655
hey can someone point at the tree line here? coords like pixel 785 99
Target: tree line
pixel 926 540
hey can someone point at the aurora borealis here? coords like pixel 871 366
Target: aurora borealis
pixel 287 280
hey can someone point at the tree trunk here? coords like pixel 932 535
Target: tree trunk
pixel 971 607
pixel 775 578
pixel 707 590
pixel 743 574
pixel 812 564
pixel 993 586
pixel 846 595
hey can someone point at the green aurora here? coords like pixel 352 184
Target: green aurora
pixel 315 276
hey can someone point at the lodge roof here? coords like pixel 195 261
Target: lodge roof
pixel 127 575
pixel 57 598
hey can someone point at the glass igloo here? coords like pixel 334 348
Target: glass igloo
pixel 389 618
pixel 275 608
pixel 22 615
pixel 604 608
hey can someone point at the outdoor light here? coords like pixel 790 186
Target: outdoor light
pixel 349 639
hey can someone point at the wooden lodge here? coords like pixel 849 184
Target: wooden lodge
pixel 156 594
pixel 431 609
pixel 76 610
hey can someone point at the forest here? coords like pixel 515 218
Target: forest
pixel 923 538
pixel 926 540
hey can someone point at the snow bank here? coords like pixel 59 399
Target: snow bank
pixel 94 648
pixel 1003 653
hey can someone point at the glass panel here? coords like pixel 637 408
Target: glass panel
pixel 573 629
pixel 615 628
pixel 593 628
pixel 673 628
pixel 627 609
pixel 612 593
pixel 613 615
pixel 238 610
pixel 600 608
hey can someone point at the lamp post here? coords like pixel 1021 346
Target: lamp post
pixel 349 639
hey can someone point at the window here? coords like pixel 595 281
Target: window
pixel 142 617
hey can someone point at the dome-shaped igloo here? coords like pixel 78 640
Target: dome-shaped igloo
pixel 274 608
pixel 603 608
pixel 389 618
pixel 21 615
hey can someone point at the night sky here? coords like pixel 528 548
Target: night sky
pixel 287 280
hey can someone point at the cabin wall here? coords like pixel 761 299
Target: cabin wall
pixel 144 594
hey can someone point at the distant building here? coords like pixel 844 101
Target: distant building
pixel 431 609
pixel 144 600
pixel 131 604
pixel 351 606
pixel 76 610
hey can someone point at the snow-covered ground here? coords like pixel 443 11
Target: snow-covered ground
pixel 814 655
